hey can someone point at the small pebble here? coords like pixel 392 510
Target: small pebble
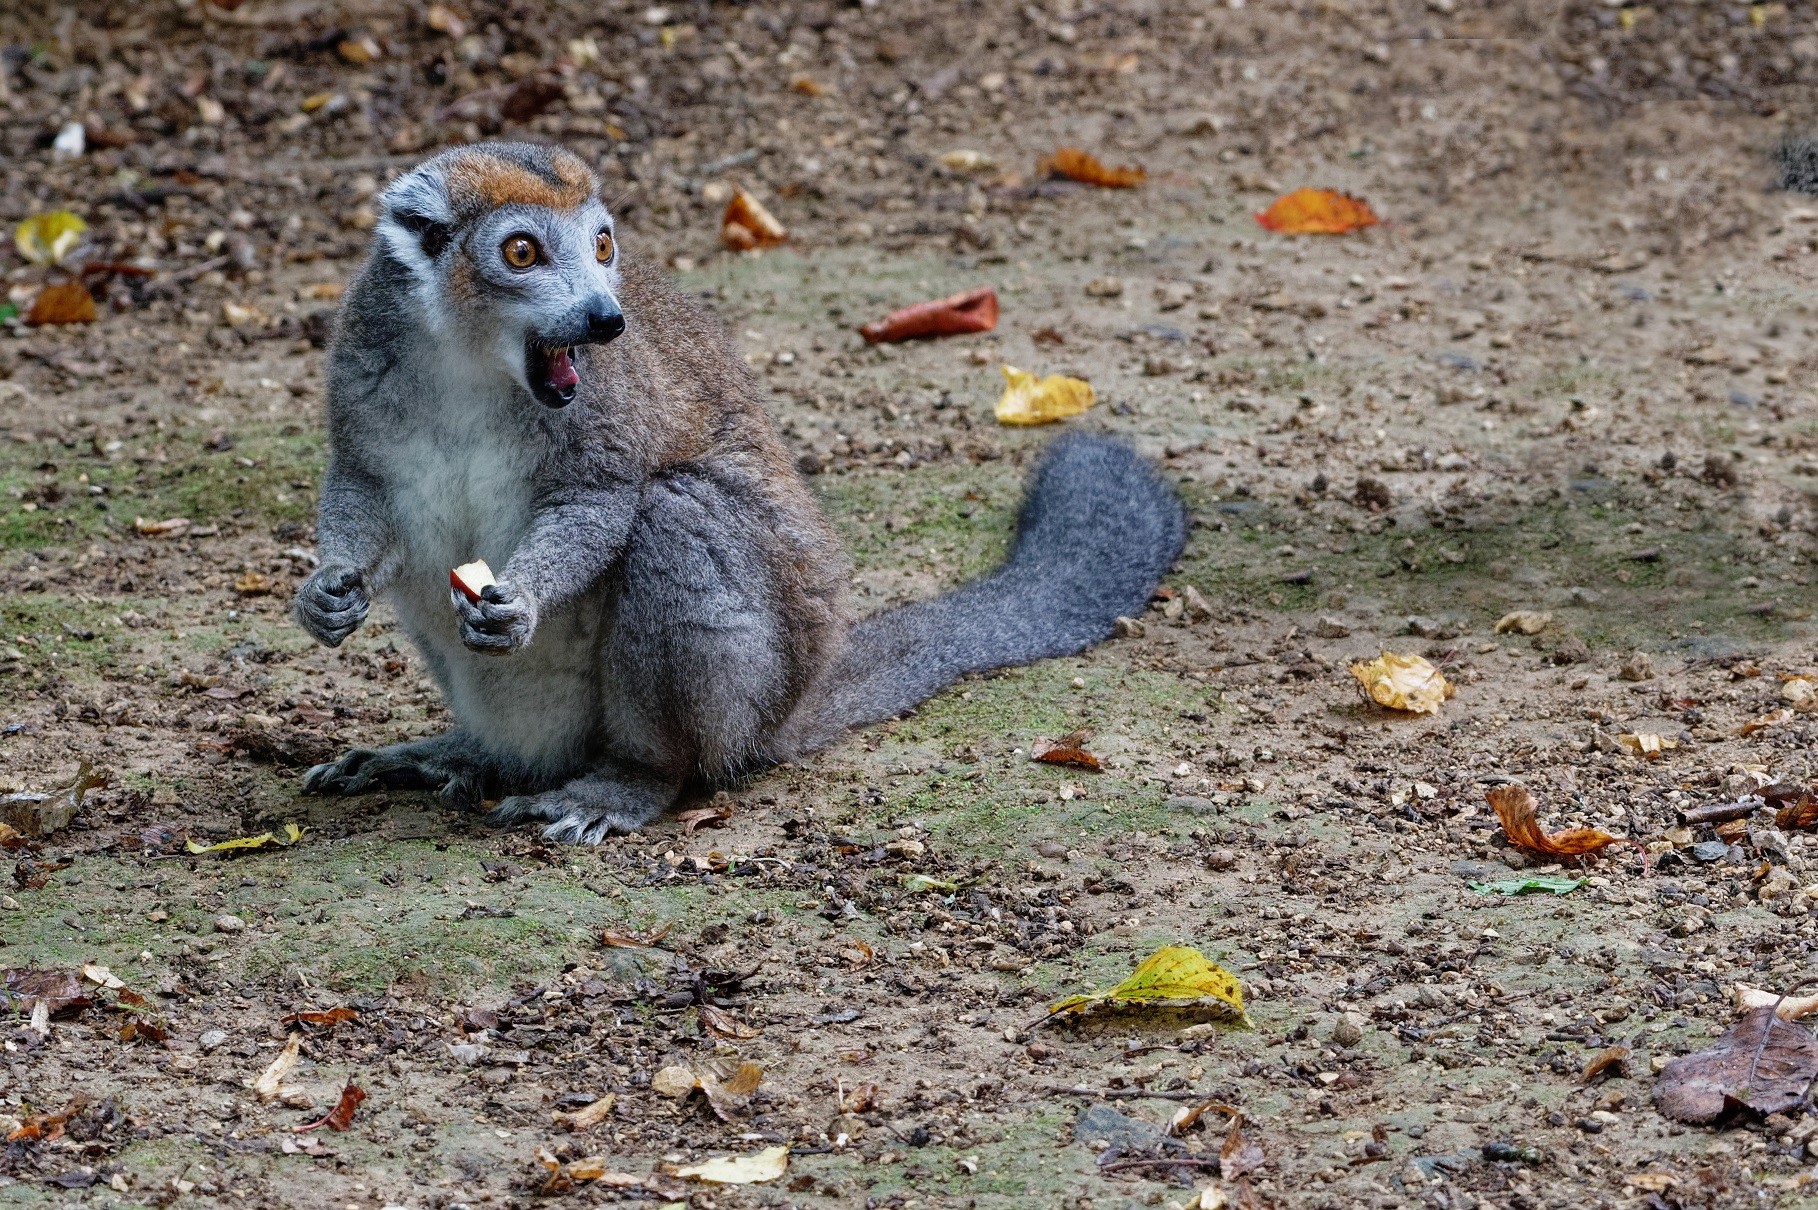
pixel 212 1038
pixel 229 924
pixel 1350 1029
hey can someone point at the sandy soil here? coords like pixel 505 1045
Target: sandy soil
pixel 1570 374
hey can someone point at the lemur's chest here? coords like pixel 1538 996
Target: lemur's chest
pixel 462 497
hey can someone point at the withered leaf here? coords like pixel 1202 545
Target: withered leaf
pixel 1086 168
pixel 968 311
pixel 587 1116
pixel 342 1115
pixel 720 1023
pixel 58 990
pixel 747 224
pixel 1240 1153
pixel 66 302
pixel 1763 1065
pixel 47 1127
pixel 1064 751
pixel 1516 807
pixel 333 1016
pixel 1317 212
pixel 715 814
pixel 729 1098
pixel 1611 1060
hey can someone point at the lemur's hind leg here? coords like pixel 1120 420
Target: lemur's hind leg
pixel 450 762
pixel 694 667
pixel 611 801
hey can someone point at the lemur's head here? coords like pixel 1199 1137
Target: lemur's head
pixel 513 254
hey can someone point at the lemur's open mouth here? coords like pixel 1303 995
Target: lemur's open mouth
pixel 551 374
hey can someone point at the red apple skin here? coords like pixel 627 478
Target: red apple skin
pixel 461 587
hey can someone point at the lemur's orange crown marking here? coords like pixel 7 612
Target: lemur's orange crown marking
pixel 482 181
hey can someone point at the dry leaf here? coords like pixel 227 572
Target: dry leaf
pixel 253 584
pixel 39 813
pixel 291 835
pixel 1175 976
pixel 332 1016
pixel 956 315
pixel 342 1115
pixel 716 813
pixel 1077 165
pixel 746 224
pixel 268 1087
pixel 964 159
pixel 1403 682
pixel 1187 1116
pixel 160 529
pixel 1791 1007
pixel 45 239
pixel 1064 751
pixel 1240 1153
pixel 719 1022
pixel 1520 814
pixel 587 1116
pixel 636 941
pixel 47 1127
pixel 1646 744
pixel 67 302
pixel 761 1166
pixel 1771 719
pixel 1317 212
pixel 1523 621
pixel 1612 1059
pixel 1763 1065
pixel 1027 400
pixel 808 86
pixel 53 991
pixel 729 1098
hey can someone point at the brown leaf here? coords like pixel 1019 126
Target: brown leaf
pixel 863 1098
pixel 729 1098
pixel 957 314
pixel 747 224
pixel 66 302
pixel 1082 166
pixel 1240 1154
pixel 342 1115
pixel 1519 812
pixel 41 813
pixel 160 529
pixel 587 1116
pixel 333 1016
pixel 1763 1065
pixel 1610 1060
pixel 720 1023
pixel 1187 1116
pixel 47 1127
pixel 58 990
pixel 1064 751
pixel 715 814
pixel 637 941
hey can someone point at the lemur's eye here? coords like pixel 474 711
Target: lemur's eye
pixel 602 247
pixel 519 251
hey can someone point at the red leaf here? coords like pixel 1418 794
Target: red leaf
pixel 955 315
pixel 342 1115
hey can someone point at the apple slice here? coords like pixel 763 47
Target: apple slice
pixel 470 579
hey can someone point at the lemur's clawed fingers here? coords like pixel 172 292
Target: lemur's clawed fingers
pixel 500 622
pixel 349 775
pixel 331 604
pixel 569 821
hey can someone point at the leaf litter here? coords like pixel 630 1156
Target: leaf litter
pixel 1519 811
pixel 1403 682
pixel 1762 1065
pixel 1175 976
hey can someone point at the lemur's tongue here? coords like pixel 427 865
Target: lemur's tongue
pixel 560 376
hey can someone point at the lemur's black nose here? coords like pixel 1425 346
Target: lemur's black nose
pixel 604 324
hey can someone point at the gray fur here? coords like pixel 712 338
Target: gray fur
pixel 1798 161
pixel 670 606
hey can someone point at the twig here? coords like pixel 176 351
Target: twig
pixel 1128 1094
pixel 1183 1161
pixel 1720 812
pixel 164 284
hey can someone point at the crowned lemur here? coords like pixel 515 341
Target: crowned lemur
pixel 506 384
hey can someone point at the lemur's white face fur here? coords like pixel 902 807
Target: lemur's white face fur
pixel 513 255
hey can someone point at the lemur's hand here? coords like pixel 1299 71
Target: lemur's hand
pixel 331 603
pixel 500 622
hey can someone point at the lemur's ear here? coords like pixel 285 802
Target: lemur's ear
pixel 417 222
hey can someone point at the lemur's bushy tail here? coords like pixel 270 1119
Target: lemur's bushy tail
pixel 1099 526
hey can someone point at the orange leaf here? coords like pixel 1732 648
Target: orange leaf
pixel 955 315
pixel 1317 212
pixel 67 302
pixel 716 815
pixel 746 224
pixel 333 1016
pixel 342 1115
pixel 1519 813
pixel 1064 751
pixel 1083 166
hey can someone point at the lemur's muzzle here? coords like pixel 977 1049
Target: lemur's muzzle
pixel 548 358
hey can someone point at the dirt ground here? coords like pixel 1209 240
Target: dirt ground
pixel 1571 373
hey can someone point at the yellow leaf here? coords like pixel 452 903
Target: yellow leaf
pixel 1174 976
pixel 753 1169
pixel 1646 744
pixel 291 835
pixel 1403 682
pixel 45 239
pixel 1027 400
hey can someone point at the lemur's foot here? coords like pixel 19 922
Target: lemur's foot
pixel 423 764
pixel 589 809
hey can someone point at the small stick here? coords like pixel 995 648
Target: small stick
pixel 1719 812
pixel 1129 1094
pixel 1184 1161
